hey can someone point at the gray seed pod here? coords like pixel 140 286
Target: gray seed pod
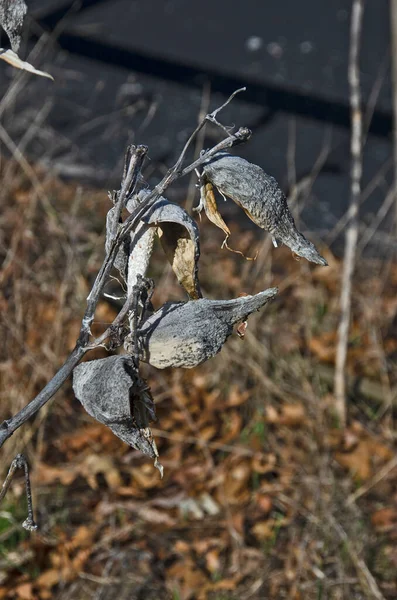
pixel 260 196
pixel 108 390
pixel 12 14
pixel 179 237
pixel 187 334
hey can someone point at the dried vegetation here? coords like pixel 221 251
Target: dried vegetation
pixel 263 495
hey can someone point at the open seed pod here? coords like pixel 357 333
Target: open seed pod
pixel 260 196
pixel 179 237
pixel 185 334
pixel 112 392
pixel 12 14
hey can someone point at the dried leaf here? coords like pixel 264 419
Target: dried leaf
pixel 208 202
pixel 145 476
pixel 12 14
pixel 179 236
pixel 207 198
pixel 236 486
pixel 109 390
pixel 292 415
pixel 187 334
pixel 48 579
pixel 260 196
pixel 25 591
pixel 265 503
pixel 94 464
pixel 385 518
pixel 364 456
pixel 13 59
pixel 323 346
pixel 212 561
pixel 263 530
pixel 189 576
pixel 231 426
pixel 46 474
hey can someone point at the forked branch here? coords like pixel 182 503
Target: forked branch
pixel 119 231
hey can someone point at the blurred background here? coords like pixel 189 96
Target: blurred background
pixel 264 495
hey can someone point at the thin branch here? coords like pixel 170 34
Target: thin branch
pixel 135 157
pixel 210 117
pixel 20 462
pixel 130 178
pixel 217 110
pixel 366 487
pixel 352 227
pixel 377 220
pixel 8 427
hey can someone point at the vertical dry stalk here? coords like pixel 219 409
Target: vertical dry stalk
pixel 393 33
pixel 352 226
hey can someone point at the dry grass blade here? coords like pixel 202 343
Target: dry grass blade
pixel 368 583
pixel 381 474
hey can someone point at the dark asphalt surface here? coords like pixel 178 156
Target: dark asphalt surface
pixel 139 70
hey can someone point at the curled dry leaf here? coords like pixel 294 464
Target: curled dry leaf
pixel 260 196
pixel 112 392
pixel 208 202
pixel 185 334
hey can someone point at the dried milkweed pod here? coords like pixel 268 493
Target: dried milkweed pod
pixel 179 237
pixel 112 392
pixel 260 196
pixel 185 334
pixel 12 14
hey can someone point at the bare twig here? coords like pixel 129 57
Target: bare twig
pixel 352 227
pixel 367 581
pixel 135 157
pixel 379 217
pixel 210 117
pixel 381 474
pixel 20 462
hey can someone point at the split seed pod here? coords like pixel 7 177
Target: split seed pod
pixel 260 196
pixel 12 14
pixel 179 237
pixel 111 391
pixel 185 334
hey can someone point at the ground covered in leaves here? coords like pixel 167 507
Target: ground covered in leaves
pixel 264 496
